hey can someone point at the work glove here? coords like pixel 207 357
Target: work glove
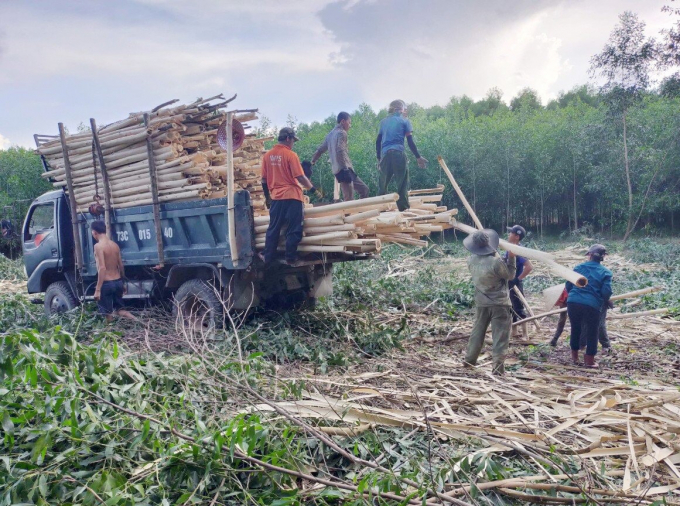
pixel 610 304
pixel 268 202
pixel 422 162
pixel 512 283
pixel 319 193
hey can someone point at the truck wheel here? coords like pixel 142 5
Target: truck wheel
pixel 309 304
pixel 197 305
pixel 59 298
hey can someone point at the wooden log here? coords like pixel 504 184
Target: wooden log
pixel 460 193
pixel 425 198
pixel 424 191
pixel 105 177
pixel 233 247
pixel 532 254
pixel 403 239
pixel 627 295
pixel 359 217
pixel 353 205
pixel 72 201
pixel 329 228
pixel 637 293
pixel 524 302
pixel 651 312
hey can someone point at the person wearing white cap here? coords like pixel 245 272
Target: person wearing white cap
pixel 490 275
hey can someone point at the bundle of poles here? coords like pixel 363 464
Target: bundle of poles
pixel 179 141
pixel 363 226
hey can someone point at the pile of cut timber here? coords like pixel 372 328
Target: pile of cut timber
pixel 190 164
pixel 362 226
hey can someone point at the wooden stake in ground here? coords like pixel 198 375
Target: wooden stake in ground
pixel 527 306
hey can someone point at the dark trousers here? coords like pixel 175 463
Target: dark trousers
pixel 602 335
pixel 393 165
pixel 349 183
pixel 517 306
pixel 282 212
pixel 585 322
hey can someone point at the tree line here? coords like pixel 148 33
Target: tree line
pixel 598 160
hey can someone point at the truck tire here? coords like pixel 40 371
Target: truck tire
pixel 197 305
pixel 59 298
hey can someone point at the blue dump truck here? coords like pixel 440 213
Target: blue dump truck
pixel 198 274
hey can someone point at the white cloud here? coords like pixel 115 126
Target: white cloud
pixel 70 60
pixel 4 142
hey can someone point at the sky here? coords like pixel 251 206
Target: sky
pixel 70 60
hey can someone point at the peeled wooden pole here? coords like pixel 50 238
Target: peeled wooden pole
pixel 72 201
pixel 105 177
pixel 154 193
pixel 519 295
pixel 627 295
pixel 651 312
pixel 637 293
pixel 352 204
pixel 460 193
pixel 230 190
pixel 557 269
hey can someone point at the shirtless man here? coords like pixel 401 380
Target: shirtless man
pixel 110 273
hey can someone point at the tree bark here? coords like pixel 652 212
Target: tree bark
pixel 630 226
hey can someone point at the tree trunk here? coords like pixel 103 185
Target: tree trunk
pixel 575 207
pixel 507 207
pixel 631 225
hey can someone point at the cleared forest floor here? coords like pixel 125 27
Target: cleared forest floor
pixel 378 370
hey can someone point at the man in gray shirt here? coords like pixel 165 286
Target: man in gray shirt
pixel 336 145
pixel 490 275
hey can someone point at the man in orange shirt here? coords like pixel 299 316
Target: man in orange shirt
pixel 282 176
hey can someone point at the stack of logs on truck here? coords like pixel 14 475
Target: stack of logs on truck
pixel 179 189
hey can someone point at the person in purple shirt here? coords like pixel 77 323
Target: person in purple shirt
pixel 515 235
pixel 389 148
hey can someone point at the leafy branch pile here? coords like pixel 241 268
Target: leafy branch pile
pixel 89 425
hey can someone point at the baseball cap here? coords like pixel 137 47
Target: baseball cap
pixel 518 230
pixel 287 132
pixel 598 250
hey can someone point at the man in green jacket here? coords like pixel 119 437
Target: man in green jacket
pixel 490 275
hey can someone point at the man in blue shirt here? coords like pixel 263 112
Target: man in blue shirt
pixel 389 148
pixel 515 235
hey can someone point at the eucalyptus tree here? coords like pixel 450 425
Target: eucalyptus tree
pixel 625 63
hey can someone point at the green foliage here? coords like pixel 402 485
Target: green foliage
pixel 64 442
pixel 20 179
pixel 11 270
pixel 552 169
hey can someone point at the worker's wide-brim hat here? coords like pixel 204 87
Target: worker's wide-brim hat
pixel 482 242
pixel 551 296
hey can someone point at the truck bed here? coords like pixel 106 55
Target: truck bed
pixel 193 231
